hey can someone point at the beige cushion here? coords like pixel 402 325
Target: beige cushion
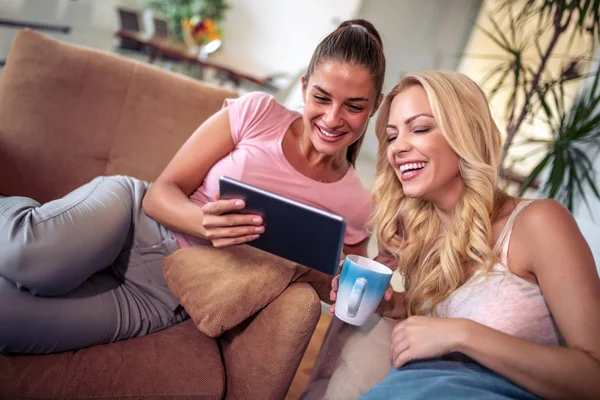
pixel 220 288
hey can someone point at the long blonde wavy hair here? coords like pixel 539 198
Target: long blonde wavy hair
pixel 433 264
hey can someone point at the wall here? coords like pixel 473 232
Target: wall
pixel 281 35
pixel 93 22
pixel 588 219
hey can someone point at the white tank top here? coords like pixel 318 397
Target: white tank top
pixel 502 300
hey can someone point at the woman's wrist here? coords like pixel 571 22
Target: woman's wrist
pixel 187 220
pixel 463 335
pixel 395 307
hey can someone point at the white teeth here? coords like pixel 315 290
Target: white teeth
pixel 332 135
pixel 411 166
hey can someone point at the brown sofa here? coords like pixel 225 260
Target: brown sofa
pixel 68 114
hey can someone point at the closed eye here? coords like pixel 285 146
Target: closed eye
pixel 320 99
pixel 421 130
pixel 354 108
pixel 390 139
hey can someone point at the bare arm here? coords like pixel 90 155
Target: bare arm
pixel 168 201
pixel 392 305
pixel 546 238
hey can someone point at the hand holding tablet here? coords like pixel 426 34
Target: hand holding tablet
pixel 225 224
pixel 292 230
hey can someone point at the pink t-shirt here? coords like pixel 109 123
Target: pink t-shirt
pixel 258 125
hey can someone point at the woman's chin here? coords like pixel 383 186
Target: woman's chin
pixel 411 195
pixel 330 149
pixel 412 192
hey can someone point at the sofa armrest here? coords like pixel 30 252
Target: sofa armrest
pixel 261 356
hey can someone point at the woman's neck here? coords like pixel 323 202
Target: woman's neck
pixel 446 205
pixel 445 209
pixel 446 217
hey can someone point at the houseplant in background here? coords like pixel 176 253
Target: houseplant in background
pixel 567 157
pixel 204 16
pixel 201 35
pixel 530 34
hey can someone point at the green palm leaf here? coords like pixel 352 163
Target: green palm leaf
pixel 576 135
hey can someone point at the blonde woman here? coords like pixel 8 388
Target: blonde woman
pixel 502 296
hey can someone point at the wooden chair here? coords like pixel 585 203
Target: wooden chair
pixel 161 27
pixel 130 20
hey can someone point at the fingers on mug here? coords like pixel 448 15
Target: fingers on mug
pixel 361 287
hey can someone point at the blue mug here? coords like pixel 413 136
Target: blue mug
pixel 363 283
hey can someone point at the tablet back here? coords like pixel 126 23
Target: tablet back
pixel 293 230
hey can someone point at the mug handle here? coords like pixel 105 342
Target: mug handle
pixel 356 295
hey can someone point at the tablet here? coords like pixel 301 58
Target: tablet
pixel 293 230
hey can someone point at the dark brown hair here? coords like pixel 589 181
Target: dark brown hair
pixel 357 42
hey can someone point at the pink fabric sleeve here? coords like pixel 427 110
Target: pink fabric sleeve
pixel 246 112
pixel 356 224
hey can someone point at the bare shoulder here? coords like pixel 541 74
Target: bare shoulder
pixel 549 242
pixel 546 233
pixel 546 217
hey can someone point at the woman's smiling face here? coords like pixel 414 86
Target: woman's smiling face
pixel 425 164
pixel 339 99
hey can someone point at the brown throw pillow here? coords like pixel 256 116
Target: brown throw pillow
pixel 221 288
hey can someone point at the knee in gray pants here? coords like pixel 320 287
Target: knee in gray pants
pixel 17 247
pixel 51 249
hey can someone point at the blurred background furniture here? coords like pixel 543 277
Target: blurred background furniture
pixel 161 27
pixel 130 20
pixel 229 70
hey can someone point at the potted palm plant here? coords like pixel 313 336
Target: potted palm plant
pixel 567 157
pixel 532 34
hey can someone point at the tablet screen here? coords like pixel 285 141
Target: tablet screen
pixel 293 230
